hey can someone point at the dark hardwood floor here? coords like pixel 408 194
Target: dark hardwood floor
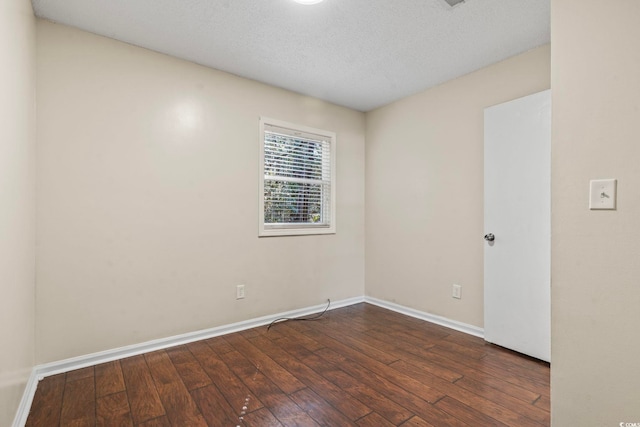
pixel 358 366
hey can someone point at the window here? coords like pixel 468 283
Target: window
pixel 297 179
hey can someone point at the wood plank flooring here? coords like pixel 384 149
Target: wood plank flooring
pixel 357 366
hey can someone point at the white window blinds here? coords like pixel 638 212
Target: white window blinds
pixel 297 186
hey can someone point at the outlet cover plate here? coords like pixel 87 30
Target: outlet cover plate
pixel 240 292
pixel 457 291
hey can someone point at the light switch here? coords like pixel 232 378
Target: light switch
pixel 602 194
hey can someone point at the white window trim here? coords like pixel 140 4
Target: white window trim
pixel 302 229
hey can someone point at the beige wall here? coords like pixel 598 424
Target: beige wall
pixel 424 194
pixel 148 198
pixel 141 236
pixel 17 201
pixel 595 255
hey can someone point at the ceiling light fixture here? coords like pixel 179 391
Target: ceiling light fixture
pixel 307 1
pixel 454 3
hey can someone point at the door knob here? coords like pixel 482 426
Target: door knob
pixel 489 237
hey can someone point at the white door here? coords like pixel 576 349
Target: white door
pixel 517 216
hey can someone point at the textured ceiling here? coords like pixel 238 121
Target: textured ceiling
pixel 358 53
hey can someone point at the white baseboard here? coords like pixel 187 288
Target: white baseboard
pixel 74 363
pixel 41 371
pixel 25 403
pixel 438 320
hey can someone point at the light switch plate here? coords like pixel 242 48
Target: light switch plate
pixel 602 194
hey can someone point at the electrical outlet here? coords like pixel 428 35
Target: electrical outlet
pixel 457 291
pixel 240 292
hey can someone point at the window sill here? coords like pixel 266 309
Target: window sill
pixel 303 231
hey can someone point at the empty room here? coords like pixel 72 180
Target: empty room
pixel 319 212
